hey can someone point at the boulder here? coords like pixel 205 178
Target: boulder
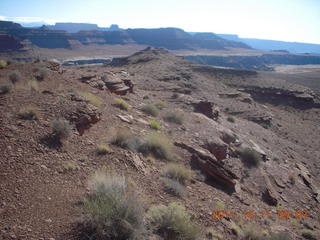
pixel 213 168
pixel 269 195
pixel 217 147
pixel 207 108
pixel 83 117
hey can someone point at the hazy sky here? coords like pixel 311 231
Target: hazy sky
pixel 288 20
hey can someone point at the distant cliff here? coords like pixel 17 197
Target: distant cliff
pixel 272 45
pixel 170 38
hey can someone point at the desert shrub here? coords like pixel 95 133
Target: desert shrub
pixel 3 64
pixel 252 232
pixel 154 124
pixel 231 119
pixel 160 104
pixel 5 87
pixel 125 139
pixel 250 156
pixel 279 236
pixel 199 176
pixel 70 166
pixel 173 117
pixel 173 222
pixel 220 205
pixel 27 113
pixel 113 210
pixel 33 85
pixel 150 109
pixel 158 146
pixel 42 74
pixel 61 128
pixel 174 187
pixel 175 96
pixel 120 103
pixel 14 76
pixel 103 149
pixel 93 99
pixel 228 137
pixel 309 234
pixel 177 172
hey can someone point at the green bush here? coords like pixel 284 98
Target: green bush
pixel 61 128
pixel 120 103
pixel 103 149
pixel 309 234
pixel 160 104
pixel 14 76
pixel 279 236
pixel 42 74
pixel 250 156
pixel 154 124
pixel 174 187
pixel 91 98
pixel 113 210
pixel 173 222
pixel 5 87
pixel 173 117
pixel 158 146
pixel 127 140
pixel 177 172
pixel 151 109
pixel 231 119
pixel 27 113
pixel 3 64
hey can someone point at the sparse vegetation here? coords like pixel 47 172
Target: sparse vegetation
pixel 125 139
pixel 309 234
pixel 173 117
pixel 3 64
pixel 42 74
pixel 113 210
pixel 70 166
pixel 151 109
pixel 199 176
pixel 177 172
pixel 250 156
pixel 14 76
pixel 93 99
pixel 27 113
pixel 174 187
pixel 231 119
pixel 5 87
pixel 228 137
pixel 173 222
pixel 33 85
pixel 279 236
pixel 160 104
pixel 158 146
pixel 220 205
pixel 61 128
pixel 251 232
pixel 123 105
pixel 103 149
pixel 154 124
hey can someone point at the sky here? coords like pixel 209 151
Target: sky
pixel 286 20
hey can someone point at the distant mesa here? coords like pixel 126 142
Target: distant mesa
pixel 77 27
pixel 61 34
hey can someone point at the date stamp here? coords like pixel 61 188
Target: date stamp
pixel 250 214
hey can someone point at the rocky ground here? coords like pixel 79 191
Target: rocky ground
pixel 43 182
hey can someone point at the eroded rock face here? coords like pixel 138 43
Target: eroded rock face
pixel 83 117
pixel 217 147
pixel 296 98
pixel 213 168
pixel 207 108
pixel 270 195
